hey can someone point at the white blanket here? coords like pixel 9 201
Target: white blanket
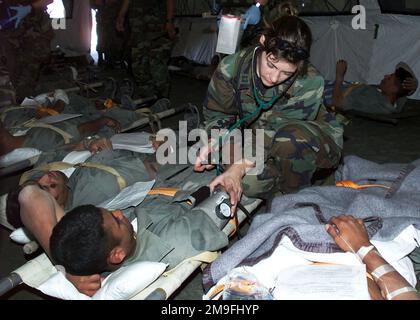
pixel 287 255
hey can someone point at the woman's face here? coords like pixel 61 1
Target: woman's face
pixel 273 72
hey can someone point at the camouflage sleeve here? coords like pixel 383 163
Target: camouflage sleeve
pixel 307 103
pixel 306 98
pixel 331 125
pixel 219 106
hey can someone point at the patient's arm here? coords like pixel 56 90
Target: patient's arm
pixel 39 212
pixel 350 235
pixel 92 127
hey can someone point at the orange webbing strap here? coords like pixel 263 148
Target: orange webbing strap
pixel 351 185
pixel 234 222
pixel 49 111
pixel 170 192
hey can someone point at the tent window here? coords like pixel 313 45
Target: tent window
pixel 400 6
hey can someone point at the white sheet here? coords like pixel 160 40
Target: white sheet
pixel 131 196
pixel 321 282
pixel 136 142
pixel 287 255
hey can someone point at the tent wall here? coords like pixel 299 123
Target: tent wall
pixel 75 39
pixel 370 57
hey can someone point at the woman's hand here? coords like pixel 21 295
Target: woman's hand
pixel 231 182
pixel 348 233
pixel 201 164
pixel 99 145
pixel 87 285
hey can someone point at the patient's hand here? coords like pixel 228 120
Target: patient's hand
pixel 348 232
pixel 87 285
pixel 410 84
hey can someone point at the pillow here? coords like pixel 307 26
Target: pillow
pixel 59 287
pixel 122 284
pixel 18 155
pixel 20 236
pixel 126 282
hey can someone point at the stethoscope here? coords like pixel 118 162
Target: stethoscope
pixel 262 105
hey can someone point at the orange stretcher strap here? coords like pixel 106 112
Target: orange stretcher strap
pixel 351 185
pixel 109 104
pixel 50 111
pixel 170 192
pixel 234 222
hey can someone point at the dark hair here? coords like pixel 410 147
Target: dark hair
pixel 289 38
pixel 79 242
pixel 401 74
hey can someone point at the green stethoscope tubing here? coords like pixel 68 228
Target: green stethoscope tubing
pixel 262 106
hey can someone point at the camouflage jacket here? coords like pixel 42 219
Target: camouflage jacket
pixel 301 103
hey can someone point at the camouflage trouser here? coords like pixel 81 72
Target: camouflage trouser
pixel 292 160
pixel 27 50
pixel 150 54
pixel 150 67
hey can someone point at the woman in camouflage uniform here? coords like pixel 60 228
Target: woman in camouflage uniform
pixel 273 87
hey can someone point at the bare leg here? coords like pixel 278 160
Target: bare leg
pixel 8 142
pixel 39 212
pixel 338 94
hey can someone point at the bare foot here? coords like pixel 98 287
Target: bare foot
pixel 340 70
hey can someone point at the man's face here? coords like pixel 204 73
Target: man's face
pixel 389 84
pixel 274 72
pixel 54 182
pixel 120 229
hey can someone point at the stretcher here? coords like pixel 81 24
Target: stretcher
pixel 37 271
pixel 149 118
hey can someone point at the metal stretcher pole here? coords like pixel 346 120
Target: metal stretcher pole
pixel 9 283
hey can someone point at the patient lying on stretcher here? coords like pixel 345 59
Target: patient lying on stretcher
pixel 90 240
pixel 388 97
pixel 68 133
pixel 41 202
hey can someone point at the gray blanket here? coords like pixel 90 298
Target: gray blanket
pixel 302 216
